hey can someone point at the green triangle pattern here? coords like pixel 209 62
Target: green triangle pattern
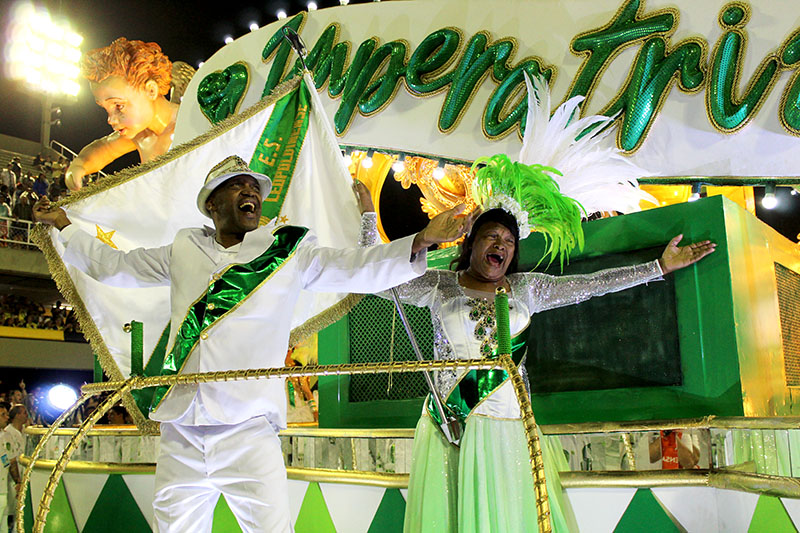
pixel 314 516
pixel 645 512
pixel 60 519
pixel 390 514
pixel 770 516
pixel 28 511
pixel 116 501
pixel 224 521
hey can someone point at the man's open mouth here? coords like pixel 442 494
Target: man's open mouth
pixel 248 206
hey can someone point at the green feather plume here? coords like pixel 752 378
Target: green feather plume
pixel 557 216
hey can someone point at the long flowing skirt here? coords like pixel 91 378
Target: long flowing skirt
pixel 485 486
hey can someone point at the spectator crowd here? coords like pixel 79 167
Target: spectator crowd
pixel 21 188
pixel 21 312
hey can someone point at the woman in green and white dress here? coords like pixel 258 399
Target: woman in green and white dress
pixel 485 485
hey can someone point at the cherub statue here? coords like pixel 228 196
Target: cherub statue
pixel 131 81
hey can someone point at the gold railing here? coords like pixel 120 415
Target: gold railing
pixel 119 388
pixel 782 487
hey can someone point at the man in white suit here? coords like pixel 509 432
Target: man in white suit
pixel 233 289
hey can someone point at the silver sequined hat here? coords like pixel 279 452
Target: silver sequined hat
pixel 228 168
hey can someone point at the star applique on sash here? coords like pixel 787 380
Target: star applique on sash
pixel 105 237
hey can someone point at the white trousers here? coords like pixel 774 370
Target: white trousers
pixel 5 500
pixel 242 462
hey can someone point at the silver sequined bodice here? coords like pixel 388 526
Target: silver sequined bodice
pixel 454 325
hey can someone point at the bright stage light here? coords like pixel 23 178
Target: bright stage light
pixel 42 52
pixel 61 396
pixel 398 166
pixel 228 39
pixel 312 6
pixel 347 159
pixel 770 201
pixel 366 162
pixel 281 14
pixel 253 26
pixel 438 173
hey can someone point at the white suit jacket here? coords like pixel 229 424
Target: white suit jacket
pixel 256 333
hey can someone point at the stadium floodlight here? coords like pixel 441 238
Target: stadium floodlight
pixel 41 52
pixel 44 54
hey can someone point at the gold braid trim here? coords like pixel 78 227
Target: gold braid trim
pixel 40 235
pixel 324 319
pixel 58 270
pixel 291 371
pixel 534 446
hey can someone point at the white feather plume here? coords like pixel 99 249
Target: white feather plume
pixel 595 173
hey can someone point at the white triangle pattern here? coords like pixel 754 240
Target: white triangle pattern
pixel 599 509
pixel 352 507
pixel 142 487
pixel 38 482
pixel 83 491
pixel 404 492
pixel 735 510
pixel 793 508
pixel 297 491
pixel 695 508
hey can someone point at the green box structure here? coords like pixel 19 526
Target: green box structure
pixel 711 340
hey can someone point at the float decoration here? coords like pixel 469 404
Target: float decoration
pixel 600 178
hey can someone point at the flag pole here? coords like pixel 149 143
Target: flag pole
pixel 450 425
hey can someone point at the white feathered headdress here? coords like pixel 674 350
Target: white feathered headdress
pixel 592 172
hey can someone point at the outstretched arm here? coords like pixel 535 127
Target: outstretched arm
pixel 374 269
pixel 95 156
pixel 548 292
pixel 142 267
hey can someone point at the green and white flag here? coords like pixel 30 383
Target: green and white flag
pixel 285 136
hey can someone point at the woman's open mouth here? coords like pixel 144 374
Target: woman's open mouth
pixel 495 259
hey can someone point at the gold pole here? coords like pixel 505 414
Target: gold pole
pixel 534 446
pixel 285 371
pixel 72 445
pixel 26 475
pixel 626 442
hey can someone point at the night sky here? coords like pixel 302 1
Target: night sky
pixel 190 32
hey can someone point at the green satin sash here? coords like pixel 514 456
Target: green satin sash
pixel 224 295
pixel 477 384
